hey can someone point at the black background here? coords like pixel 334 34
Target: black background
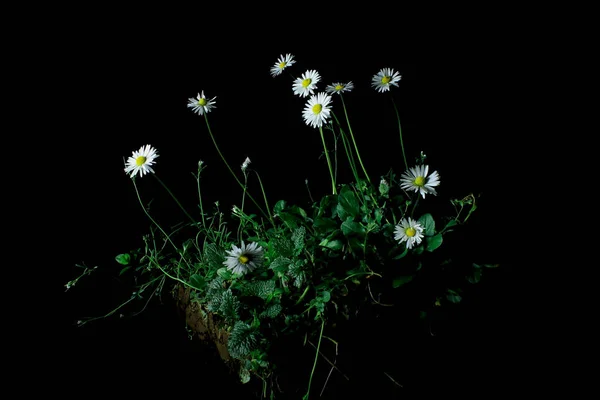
pixel 122 82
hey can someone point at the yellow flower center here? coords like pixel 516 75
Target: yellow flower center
pixel 243 259
pixel 338 87
pixel 317 108
pixel 202 102
pixel 420 181
pixel 306 82
pixel 410 232
pixel 141 160
pixel 282 65
pixel 385 79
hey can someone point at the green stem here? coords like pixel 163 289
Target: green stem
pixel 354 141
pixel 316 358
pixel 152 219
pixel 228 167
pixel 328 161
pixel 347 149
pixel 262 188
pixel 400 130
pixel 200 197
pixel 174 198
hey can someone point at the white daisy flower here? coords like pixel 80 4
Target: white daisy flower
pixel 339 88
pixel 201 104
pixel 317 109
pixel 140 161
pixel 282 63
pixel 409 231
pixel 384 79
pixel 307 83
pixel 244 259
pixel 246 163
pixel 416 179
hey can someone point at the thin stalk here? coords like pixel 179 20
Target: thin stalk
pixel 353 140
pixel 174 198
pixel 328 161
pixel 228 167
pixel 400 130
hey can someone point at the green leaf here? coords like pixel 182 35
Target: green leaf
pixel 332 244
pixel 475 276
pixel 491 265
pixel 433 242
pixel 451 223
pixel 198 281
pixel 325 223
pixel 325 296
pixel 399 256
pixel 244 375
pixel 401 280
pixel 453 296
pixel 123 259
pixel 428 224
pixel 347 203
pixel 224 273
pixel 124 269
pixel 213 255
pixel 279 206
pixel 349 227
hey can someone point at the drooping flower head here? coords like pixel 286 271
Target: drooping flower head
pixel 201 104
pixel 140 161
pixel 244 259
pixel 246 163
pixel 384 79
pixel 339 88
pixel 282 63
pixel 417 179
pixel 409 231
pixel 307 83
pixel 317 109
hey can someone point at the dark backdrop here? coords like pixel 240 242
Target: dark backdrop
pixel 130 88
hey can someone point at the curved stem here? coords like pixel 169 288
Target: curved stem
pixel 354 141
pixel 174 198
pixel 400 129
pixel 153 220
pixel 227 164
pixel 328 161
pixel 316 358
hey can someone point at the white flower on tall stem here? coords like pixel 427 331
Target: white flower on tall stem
pixel 317 109
pixel 409 231
pixel 384 79
pixel 282 63
pixel 140 161
pixel 244 259
pixel 339 88
pixel 418 180
pixel 246 163
pixel 307 83
pixel 201 104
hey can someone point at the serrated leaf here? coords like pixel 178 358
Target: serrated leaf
pixel 224 273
